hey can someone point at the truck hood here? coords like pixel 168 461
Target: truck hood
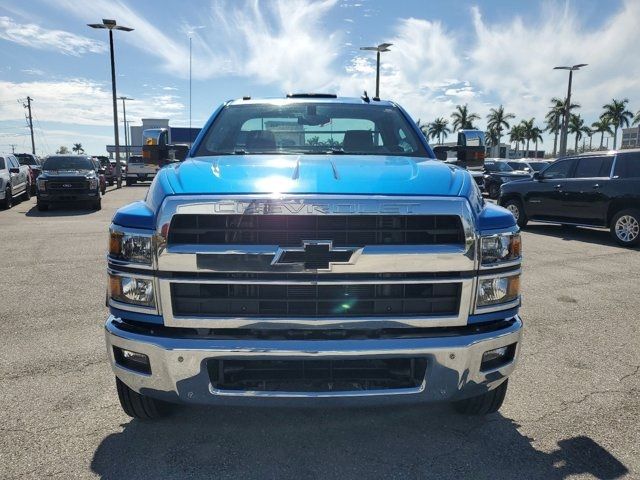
pixel 323 174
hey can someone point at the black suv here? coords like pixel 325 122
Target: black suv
pixel 595 189
pixel 69 178
pixel 498 172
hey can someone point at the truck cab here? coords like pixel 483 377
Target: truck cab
pixel 312 249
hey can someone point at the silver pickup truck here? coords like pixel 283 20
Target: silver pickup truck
pixel 14 180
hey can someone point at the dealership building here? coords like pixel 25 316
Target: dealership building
pixel 182 135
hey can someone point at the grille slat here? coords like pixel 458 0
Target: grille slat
pixel 297 300
pixel 291 230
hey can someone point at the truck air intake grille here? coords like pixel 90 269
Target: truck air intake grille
pixel 291 230
pixel 302 300
pixel 316 375
pixel 68 185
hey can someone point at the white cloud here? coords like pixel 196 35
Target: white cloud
pixel 34 36
pixel 81 102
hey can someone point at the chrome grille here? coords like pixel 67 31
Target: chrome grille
pixel 298 300
pixel 292 230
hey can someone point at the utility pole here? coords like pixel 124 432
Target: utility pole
pixel 126 133
pixel 13 147
pixel 567 108
pixel 28 107
pixel 383 47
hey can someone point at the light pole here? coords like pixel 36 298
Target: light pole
pixel 567 108
pixel 111 26
pixel 383 47
pixel 126 133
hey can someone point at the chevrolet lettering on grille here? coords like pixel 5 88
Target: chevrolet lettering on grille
pixel 314 255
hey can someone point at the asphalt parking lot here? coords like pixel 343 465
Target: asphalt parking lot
pixel 572 408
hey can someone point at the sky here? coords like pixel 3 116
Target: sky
pixel 444 53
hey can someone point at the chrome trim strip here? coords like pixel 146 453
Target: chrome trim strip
pixel 364 322
pixel 349 393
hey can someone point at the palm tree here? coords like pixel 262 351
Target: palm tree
pixel 516 134
pixel 577 127
pixel 439 129
pixel 462 118
pixel 554 118
pixel 499 120
pixel 491 137
pixel 636 119
pixel 602 126
pixel 422 127
pixel 62 150
pixel 618 115
pixel 536 136
pixel 77 147
pixel 527 131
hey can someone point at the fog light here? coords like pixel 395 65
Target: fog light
pixel 497 357
pixel 132 360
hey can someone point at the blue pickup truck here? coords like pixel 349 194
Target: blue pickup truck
pixel 312 249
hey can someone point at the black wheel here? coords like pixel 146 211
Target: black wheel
pixel 97 205
pixel 515 207
pixel 625 227
pixel 129 182
pixel 484 404
pixel 7 203
pixel 111 182
pixel 103 190
pixel 27 193
pixel 140 406
pixel 494 191
pixel 42 207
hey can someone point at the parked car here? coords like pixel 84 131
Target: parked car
pixel 123 170
pixel 69 178
pixel 594 189
pixel 528 165
pixel 109 169
pixel 100 171
pixel 14 180
pixel 139 170
pixel 360 270
pixel 34 165
pixel 497 172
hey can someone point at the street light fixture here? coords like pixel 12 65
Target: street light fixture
pixel 111 26
pixel 567 107
pixel 383 47
pixel 126 133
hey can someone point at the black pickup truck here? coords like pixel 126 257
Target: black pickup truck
pixel 69 178
pixel 596 189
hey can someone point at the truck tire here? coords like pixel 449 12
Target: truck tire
pixel 27 193
pixel 129 182
pixel 97 205
pixel 625 227
pixel 7 203
pixel 494 191
pixel 484 404
pixel 140 406
pixel 515 207
pixel 111 182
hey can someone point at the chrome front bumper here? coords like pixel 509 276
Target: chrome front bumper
pixel 179 371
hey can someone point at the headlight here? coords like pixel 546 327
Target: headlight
pixel 42 184
pixel 93 183
pixel 500 248
pixel 131 247
pixel 493 291
pixel 136 291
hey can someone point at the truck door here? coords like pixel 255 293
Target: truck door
pixel 18 180
pixel 544 199
pixel 584 196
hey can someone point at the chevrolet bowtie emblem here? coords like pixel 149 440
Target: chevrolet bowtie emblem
pixel 314 255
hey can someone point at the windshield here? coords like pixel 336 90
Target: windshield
pixel 497 167
pixel 308 128
pixel 26 160
pixel 538 166
pixel 68 163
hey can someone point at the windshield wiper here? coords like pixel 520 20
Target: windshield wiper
pixel 335 151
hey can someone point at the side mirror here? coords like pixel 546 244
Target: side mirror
pixel 14 170
pixel 536 176
pixel 102 170
pixel 441 152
